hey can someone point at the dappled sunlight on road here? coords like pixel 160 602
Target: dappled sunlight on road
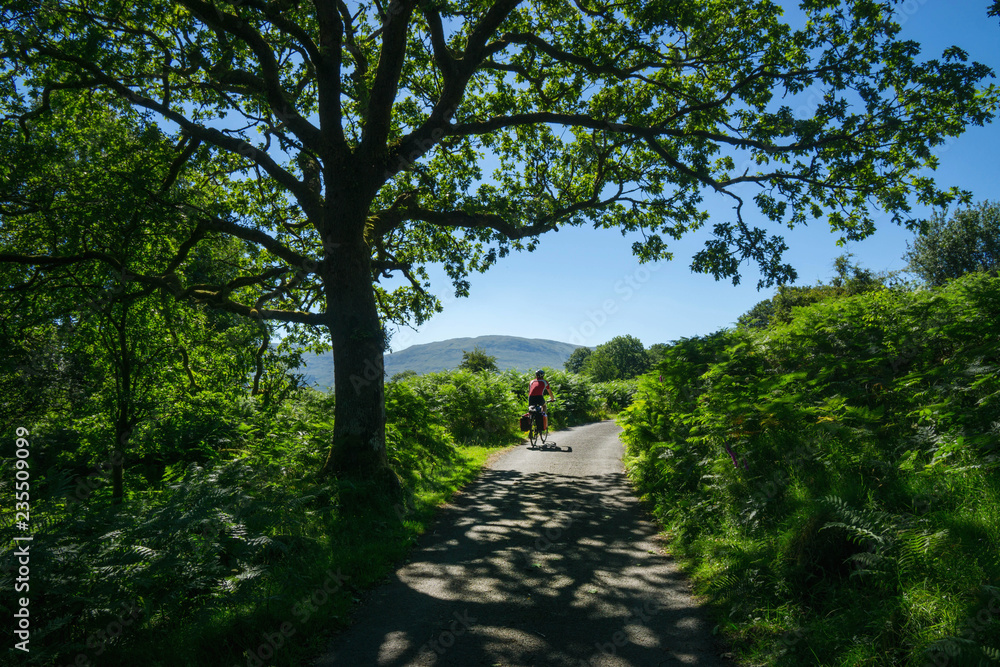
pixel 534 567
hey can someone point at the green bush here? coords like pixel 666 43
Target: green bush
pixel 203 547
pixel 615 395
pixel 229 526
pixel 576 400
pixel 835 475
pixel 416 436
pixel 473 407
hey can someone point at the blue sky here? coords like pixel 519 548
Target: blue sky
pixel 583 286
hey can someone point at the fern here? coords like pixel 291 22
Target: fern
pixel 203 544
pixel 895 548
pixel 738 588
pixel 919 547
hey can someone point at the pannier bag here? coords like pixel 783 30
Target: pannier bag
pixel 526 422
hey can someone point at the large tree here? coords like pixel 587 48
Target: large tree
pixel 478 361
pixel 621 358
pixel 577 359
pixel 947 247
pixel 362 129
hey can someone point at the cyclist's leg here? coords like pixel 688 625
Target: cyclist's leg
pixel 537 402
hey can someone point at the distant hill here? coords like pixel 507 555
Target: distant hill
pixel 510 351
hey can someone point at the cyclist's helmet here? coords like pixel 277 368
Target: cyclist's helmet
pixel 539 374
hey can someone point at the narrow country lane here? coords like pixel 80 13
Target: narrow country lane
pixel 547 560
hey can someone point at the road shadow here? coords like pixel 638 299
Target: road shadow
pixel 550 446
pixel 533 569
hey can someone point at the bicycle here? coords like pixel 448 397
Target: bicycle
pixel 538 429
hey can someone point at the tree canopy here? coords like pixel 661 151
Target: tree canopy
pixel 947 247
pixel 478 361
pixel 79 333
pixel 850 279
pixel 621 358
pixel 577 359
pixel 345 142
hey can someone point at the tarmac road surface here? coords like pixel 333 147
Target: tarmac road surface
pixel 547 560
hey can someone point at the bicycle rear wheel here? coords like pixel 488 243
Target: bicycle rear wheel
pixel 533 431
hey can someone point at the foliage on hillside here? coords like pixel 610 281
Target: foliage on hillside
pixel 832 481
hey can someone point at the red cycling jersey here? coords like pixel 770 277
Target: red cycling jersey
pixel 537 388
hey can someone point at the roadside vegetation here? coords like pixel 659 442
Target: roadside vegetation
pixel 830 472
pixel 228 547
pixel 827 470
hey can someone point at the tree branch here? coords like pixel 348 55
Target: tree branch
pixel 385 86
pixel 442 56
pixel 188 146
pixel 477 48
pixel 269 243
pixel 290 28
pixel 476 221
pixel 647 133
pixel 60 260
pixel 219 20
pixel 329 82
pixel 583 62
pixel 219 300
pixel 306 198
pixel 216 296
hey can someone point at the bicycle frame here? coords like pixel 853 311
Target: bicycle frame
pixel 537 429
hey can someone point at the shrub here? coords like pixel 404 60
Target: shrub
pixel 843 459
pixel 474 407
pixel 615 395
pixel 577 401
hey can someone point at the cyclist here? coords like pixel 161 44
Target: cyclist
pixel 537 390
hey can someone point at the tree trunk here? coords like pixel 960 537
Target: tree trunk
pixel 358 448
pixel 123 431
pixel 123 426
